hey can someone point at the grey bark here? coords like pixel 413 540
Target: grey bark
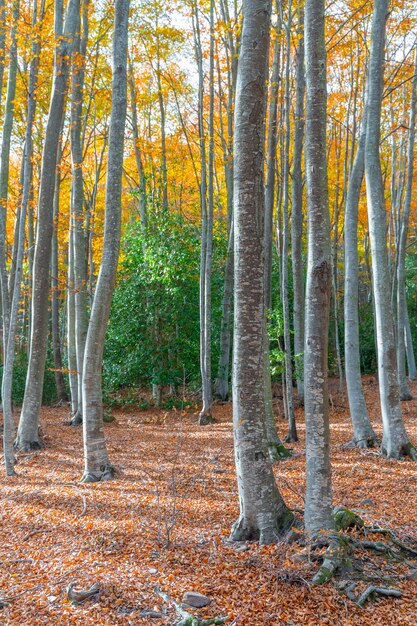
pixel 8 338
pixel 78 216
pixel 96 461
pixel 318 505
pixel 275 446
pixel 71 343
pixel 405 393
pixel 138 157
pixel 27 436
pixel 205 416
pixel 297 209
pixel 55 296
pixel 263 514
pixel 411 361
pixel 363 433
pixel 292 428
pixel 395 442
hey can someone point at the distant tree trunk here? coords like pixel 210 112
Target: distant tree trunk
pixel 27 436
pixel 263 514
pixel 395 442
pixel 78 202
pixel 97 466
pixel 275 445
pixel 9 323
pixel 138 157
pixel 55 296
pixel 289 398
pixel 205 416
pixel 318 505
pixel 411 361
pixel 297 209
pixel 363 434
pixel 402 242
pixel 71 350
pixel 222 380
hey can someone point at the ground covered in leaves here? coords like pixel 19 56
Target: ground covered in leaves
pixel 165 521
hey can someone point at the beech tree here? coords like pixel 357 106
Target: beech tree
pixel 263 513
pixel 96 462
pixel 395 441
pixel 27 435
pixel 318 474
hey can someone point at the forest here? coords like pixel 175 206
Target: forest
pixel 208 312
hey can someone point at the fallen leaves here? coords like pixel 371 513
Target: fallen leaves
pixel 113 540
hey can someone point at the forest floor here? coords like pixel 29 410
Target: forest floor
pixel 165 520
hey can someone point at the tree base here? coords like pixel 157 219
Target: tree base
pixel 406 396
pixel 76 420
pixel 27 446
pixel 204 419
pixel 106 472
pixel 243 531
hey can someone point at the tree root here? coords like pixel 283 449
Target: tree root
pixel 186 618
pixel 106 472
pixel 383 591
pixel 339 556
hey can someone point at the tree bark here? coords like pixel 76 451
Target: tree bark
pixel 297 210
pixel 79 238
pixel 405 393
pixel 96 462
pixel 27 436
pixel 395 442
pixel 318 505
pixel 263 514
pixel 363 433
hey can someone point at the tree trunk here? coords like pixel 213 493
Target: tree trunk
pixel 27 436
pixel 292 429
pixel 395 442
pixel 9 323
pixel 263 514
pixel 402 243
pixel 318 505
pixel 79 238
pixel 97 466
pixel 363 434
pixel 411 361
pixel 297 211
pixel 275 445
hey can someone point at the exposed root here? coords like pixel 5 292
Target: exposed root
pixel 242 531
pixel 204 419
pixel 383 591
pixel 341 555
pixel 106 472
pixel 76 420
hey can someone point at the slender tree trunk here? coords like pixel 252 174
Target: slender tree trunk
pixel 71 350
pixel 405 393
pixel 263 514
pixel 206 231
pixel 395 442
pixel 297 210
pixel 97 466
pixel 276 449
pixel 318 503
pixel 9 324
pixel 411 361
pixel 79 238
pixel 55 296
pixel 27 436
pixel 138 157
pixel 292 429
pixel 363 433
